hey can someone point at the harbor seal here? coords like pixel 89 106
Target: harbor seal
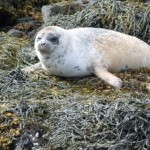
pixel 86 51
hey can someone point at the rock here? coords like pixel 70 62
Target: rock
pixel 27 24
pixel 148 1
pixel 148 87
pixel 15 33
pixel 46 12
pixel 66 8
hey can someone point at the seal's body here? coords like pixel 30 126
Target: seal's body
pixel 85 51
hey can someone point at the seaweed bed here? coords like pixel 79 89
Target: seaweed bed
pixel 130 18
pixel 41 111
pixel 73 114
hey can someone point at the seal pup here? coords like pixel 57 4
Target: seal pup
pixel 86 51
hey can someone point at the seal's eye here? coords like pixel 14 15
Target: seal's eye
pixel 38 38
pixel 54 39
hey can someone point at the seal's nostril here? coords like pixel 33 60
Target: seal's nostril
pixel 43 43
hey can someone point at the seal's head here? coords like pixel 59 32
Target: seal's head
pixel 49 40
pixel 46 41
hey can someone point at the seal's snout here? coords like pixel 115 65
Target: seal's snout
pixel 43 44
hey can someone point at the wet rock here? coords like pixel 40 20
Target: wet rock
pixel 66 8
pixel 15 33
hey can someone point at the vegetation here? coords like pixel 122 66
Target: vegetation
pixel 42 111
pixel 129 18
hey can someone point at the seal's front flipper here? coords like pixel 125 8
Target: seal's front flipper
pixel 108 77
pixel 32 68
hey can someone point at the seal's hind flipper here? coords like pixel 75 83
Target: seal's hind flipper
pixel 108 77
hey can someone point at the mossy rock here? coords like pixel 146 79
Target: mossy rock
pixel 129 18
pixel 9 50
pixel 66 8
pixel 18 9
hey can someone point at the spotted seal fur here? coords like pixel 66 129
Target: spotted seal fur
pixel 86 51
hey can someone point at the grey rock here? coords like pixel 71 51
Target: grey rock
pixel 46 12
pixel 15 33
pixel 66 8
pixel 148 1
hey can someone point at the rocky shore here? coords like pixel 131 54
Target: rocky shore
pixel 43 112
